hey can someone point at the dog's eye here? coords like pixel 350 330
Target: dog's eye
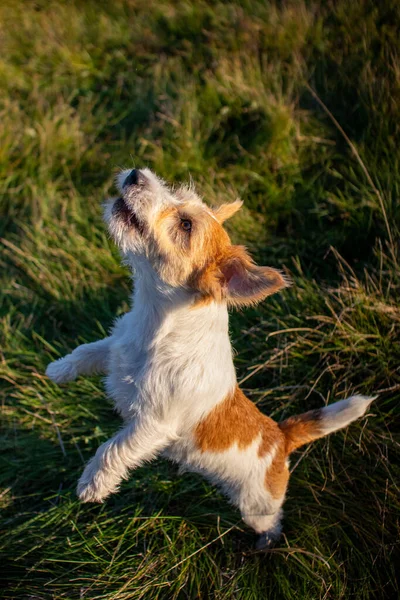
pixel 186 224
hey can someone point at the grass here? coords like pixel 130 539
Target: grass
pixel 294 107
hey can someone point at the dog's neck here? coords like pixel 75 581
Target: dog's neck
pixel 162 309
pixel 188 347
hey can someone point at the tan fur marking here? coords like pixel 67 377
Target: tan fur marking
pixel 202 300
pixel 277 475
pixel 236 419
pixel 301 429
pixel 164 214
pixel 206 257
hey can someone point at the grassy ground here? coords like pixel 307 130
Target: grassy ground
pixel 224 92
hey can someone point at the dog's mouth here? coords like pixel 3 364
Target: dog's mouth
pixel 127 215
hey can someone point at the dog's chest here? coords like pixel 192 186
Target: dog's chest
pixel 179 367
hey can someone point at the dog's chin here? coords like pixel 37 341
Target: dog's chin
pixel 127 217
pixel 123 226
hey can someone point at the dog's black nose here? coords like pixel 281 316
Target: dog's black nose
pixel 132 178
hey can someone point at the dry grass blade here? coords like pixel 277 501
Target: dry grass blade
pixel 360 162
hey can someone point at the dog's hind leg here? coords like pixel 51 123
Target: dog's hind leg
pixel 265 518
pixel 261 499
pixel 136 443
pixel 262 516
pixel 84 360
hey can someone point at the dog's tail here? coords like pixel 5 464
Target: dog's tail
pixel 310 426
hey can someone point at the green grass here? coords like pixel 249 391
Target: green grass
pixel 218 91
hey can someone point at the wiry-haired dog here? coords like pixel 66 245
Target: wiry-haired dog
pixel 169 360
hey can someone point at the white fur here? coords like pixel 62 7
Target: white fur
pixel 167 366
pixel 84 360
pixel 342 413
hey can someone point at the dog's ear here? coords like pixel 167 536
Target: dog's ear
pixel 226 211
pixel 246 283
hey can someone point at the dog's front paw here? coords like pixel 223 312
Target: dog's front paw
pixel 62 371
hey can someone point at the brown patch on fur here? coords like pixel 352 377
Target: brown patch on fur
pixel 297 431
pixel 206 257
pixel 301 429
pixel 166 212
pixel 201 300
pixel 236 419
pixel 277 475
pixel 230 274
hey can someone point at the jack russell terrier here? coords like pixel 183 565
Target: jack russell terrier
pixel 169 361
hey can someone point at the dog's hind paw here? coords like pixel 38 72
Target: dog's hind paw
pixel 91 486
pixel 62 371
pixel 267 540
pixel 88 493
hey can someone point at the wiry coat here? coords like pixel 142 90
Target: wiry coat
pixel 169 360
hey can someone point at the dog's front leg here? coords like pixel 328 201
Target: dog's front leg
pixel 137 442
pixel 84 360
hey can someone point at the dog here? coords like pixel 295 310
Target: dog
pixel 168 362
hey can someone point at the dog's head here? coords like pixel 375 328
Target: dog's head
pixel 182 240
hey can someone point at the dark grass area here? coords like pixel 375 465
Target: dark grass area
pixel 250 99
